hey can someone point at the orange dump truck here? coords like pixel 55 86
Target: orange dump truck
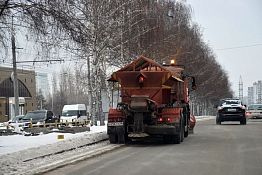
pixel 155 102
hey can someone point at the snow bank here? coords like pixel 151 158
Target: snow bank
pixel 21 153
pixel 201 118
pixel 14 143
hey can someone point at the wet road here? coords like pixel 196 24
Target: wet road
pixel 229 148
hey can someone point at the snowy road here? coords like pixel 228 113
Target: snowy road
pixel 214 149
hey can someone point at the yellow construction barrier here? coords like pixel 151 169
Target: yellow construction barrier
pixel 59 124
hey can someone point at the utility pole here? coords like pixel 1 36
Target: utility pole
pixel 15 82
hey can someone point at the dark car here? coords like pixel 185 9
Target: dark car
pixel 15 121
pixel 231 110
pixel 39 117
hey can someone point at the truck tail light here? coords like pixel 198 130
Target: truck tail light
pixel 166 119
pixel 171 119
pixel 141 80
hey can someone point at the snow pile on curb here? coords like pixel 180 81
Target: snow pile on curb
pixel 201 118
pixel 14 143
pixel 22 161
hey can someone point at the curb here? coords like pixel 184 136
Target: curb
pixel 75 159
pixel 205 118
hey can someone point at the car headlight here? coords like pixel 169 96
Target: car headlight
pixel 219 108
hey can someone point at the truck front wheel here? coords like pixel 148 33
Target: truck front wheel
pixel 186 129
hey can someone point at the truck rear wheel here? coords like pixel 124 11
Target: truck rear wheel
pixel 180 137
pixel 186 123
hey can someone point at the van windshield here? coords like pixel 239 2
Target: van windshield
pixel 69 113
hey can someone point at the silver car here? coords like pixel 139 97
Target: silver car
pixel 254 111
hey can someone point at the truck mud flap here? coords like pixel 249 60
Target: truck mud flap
pixel 162 130
pixel 117 134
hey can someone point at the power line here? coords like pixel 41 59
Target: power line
pixel 239 47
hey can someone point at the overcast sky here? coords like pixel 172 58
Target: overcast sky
pixel 230 24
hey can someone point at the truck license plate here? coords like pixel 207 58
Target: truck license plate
pixel 115 124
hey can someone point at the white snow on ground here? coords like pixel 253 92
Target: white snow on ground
pixel 42 150
pixel 14 143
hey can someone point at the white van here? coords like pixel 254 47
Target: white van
pixel 74 113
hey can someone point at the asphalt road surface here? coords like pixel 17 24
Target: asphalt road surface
pixel 227 149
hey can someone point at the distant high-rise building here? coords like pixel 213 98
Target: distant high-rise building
pixel 245 100
pixel 42 84
pixel 240 90
pixel 255 93
pixel 259 91
pixel 250 95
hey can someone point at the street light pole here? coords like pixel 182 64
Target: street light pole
pixel 15 82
